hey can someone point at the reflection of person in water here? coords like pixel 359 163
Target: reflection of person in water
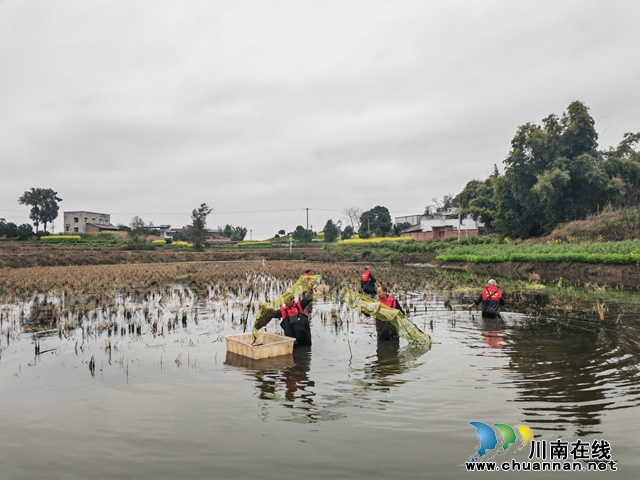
pixel 296 379
pixel 392 361
pixel 492 333
pixel 288 373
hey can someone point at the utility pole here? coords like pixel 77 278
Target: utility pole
pixel 250 234
pixel 458 225
pixel 307 218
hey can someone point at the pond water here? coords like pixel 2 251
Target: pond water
pixel 111 401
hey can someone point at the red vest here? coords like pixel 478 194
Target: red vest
pixel 390 302
pixel 491 293
pixel 296 309
pixel 366 276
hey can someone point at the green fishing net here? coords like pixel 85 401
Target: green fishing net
pixel 269 309
pixel 405 327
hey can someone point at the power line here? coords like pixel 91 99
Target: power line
pixel 212 213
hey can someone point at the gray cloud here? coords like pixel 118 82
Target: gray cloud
pixel 156 107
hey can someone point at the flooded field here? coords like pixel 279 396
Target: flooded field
pixel 122 372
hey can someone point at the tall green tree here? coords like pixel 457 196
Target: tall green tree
pixel 376 221
pixel 553 174
pixel 623 167
pixel 331 232
pixel 198 227
pixel 477 199
pixel 44 205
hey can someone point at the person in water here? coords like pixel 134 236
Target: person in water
pixel 491 299
pixel 368 282
pixel 295 318
pixel 386 330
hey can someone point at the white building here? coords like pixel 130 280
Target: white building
pixel 437 226
pixel 83 222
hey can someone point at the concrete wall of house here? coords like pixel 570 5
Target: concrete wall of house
pixel 435 235
pixel 76 222
pixel 420 236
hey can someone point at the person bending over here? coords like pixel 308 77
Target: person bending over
pixel 386 330
pixel 295 318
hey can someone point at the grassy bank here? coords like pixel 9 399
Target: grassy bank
pixel 474 250
pixel 32 254
pixel 610 225
pixel 626 252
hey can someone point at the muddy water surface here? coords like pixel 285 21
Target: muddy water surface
pixel 160 403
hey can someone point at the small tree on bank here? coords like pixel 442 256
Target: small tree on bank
pixel 397 229
pixel 236 234
pixel 353 214
pixel 198 228
pixel 331 232
pixel 348 232
pixel 302 235
pixel 11 230
pixel 137 230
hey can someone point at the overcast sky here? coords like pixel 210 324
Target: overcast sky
pixel 264 108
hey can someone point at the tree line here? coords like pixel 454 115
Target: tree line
pixel 375 222
pixel 554 173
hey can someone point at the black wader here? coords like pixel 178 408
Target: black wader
pixel 297 327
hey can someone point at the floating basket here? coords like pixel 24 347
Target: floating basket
pixel 268 345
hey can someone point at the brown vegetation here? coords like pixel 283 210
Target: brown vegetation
pixel 134 299
pixel 609 226
pixel 201 277
pixel 624 275
pixel 21 255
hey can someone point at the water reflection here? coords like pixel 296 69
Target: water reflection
pixel 385 370
pixel 298 386
pixel 493 333
pixel 570 365
pixel 285 380
pixel 571 377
